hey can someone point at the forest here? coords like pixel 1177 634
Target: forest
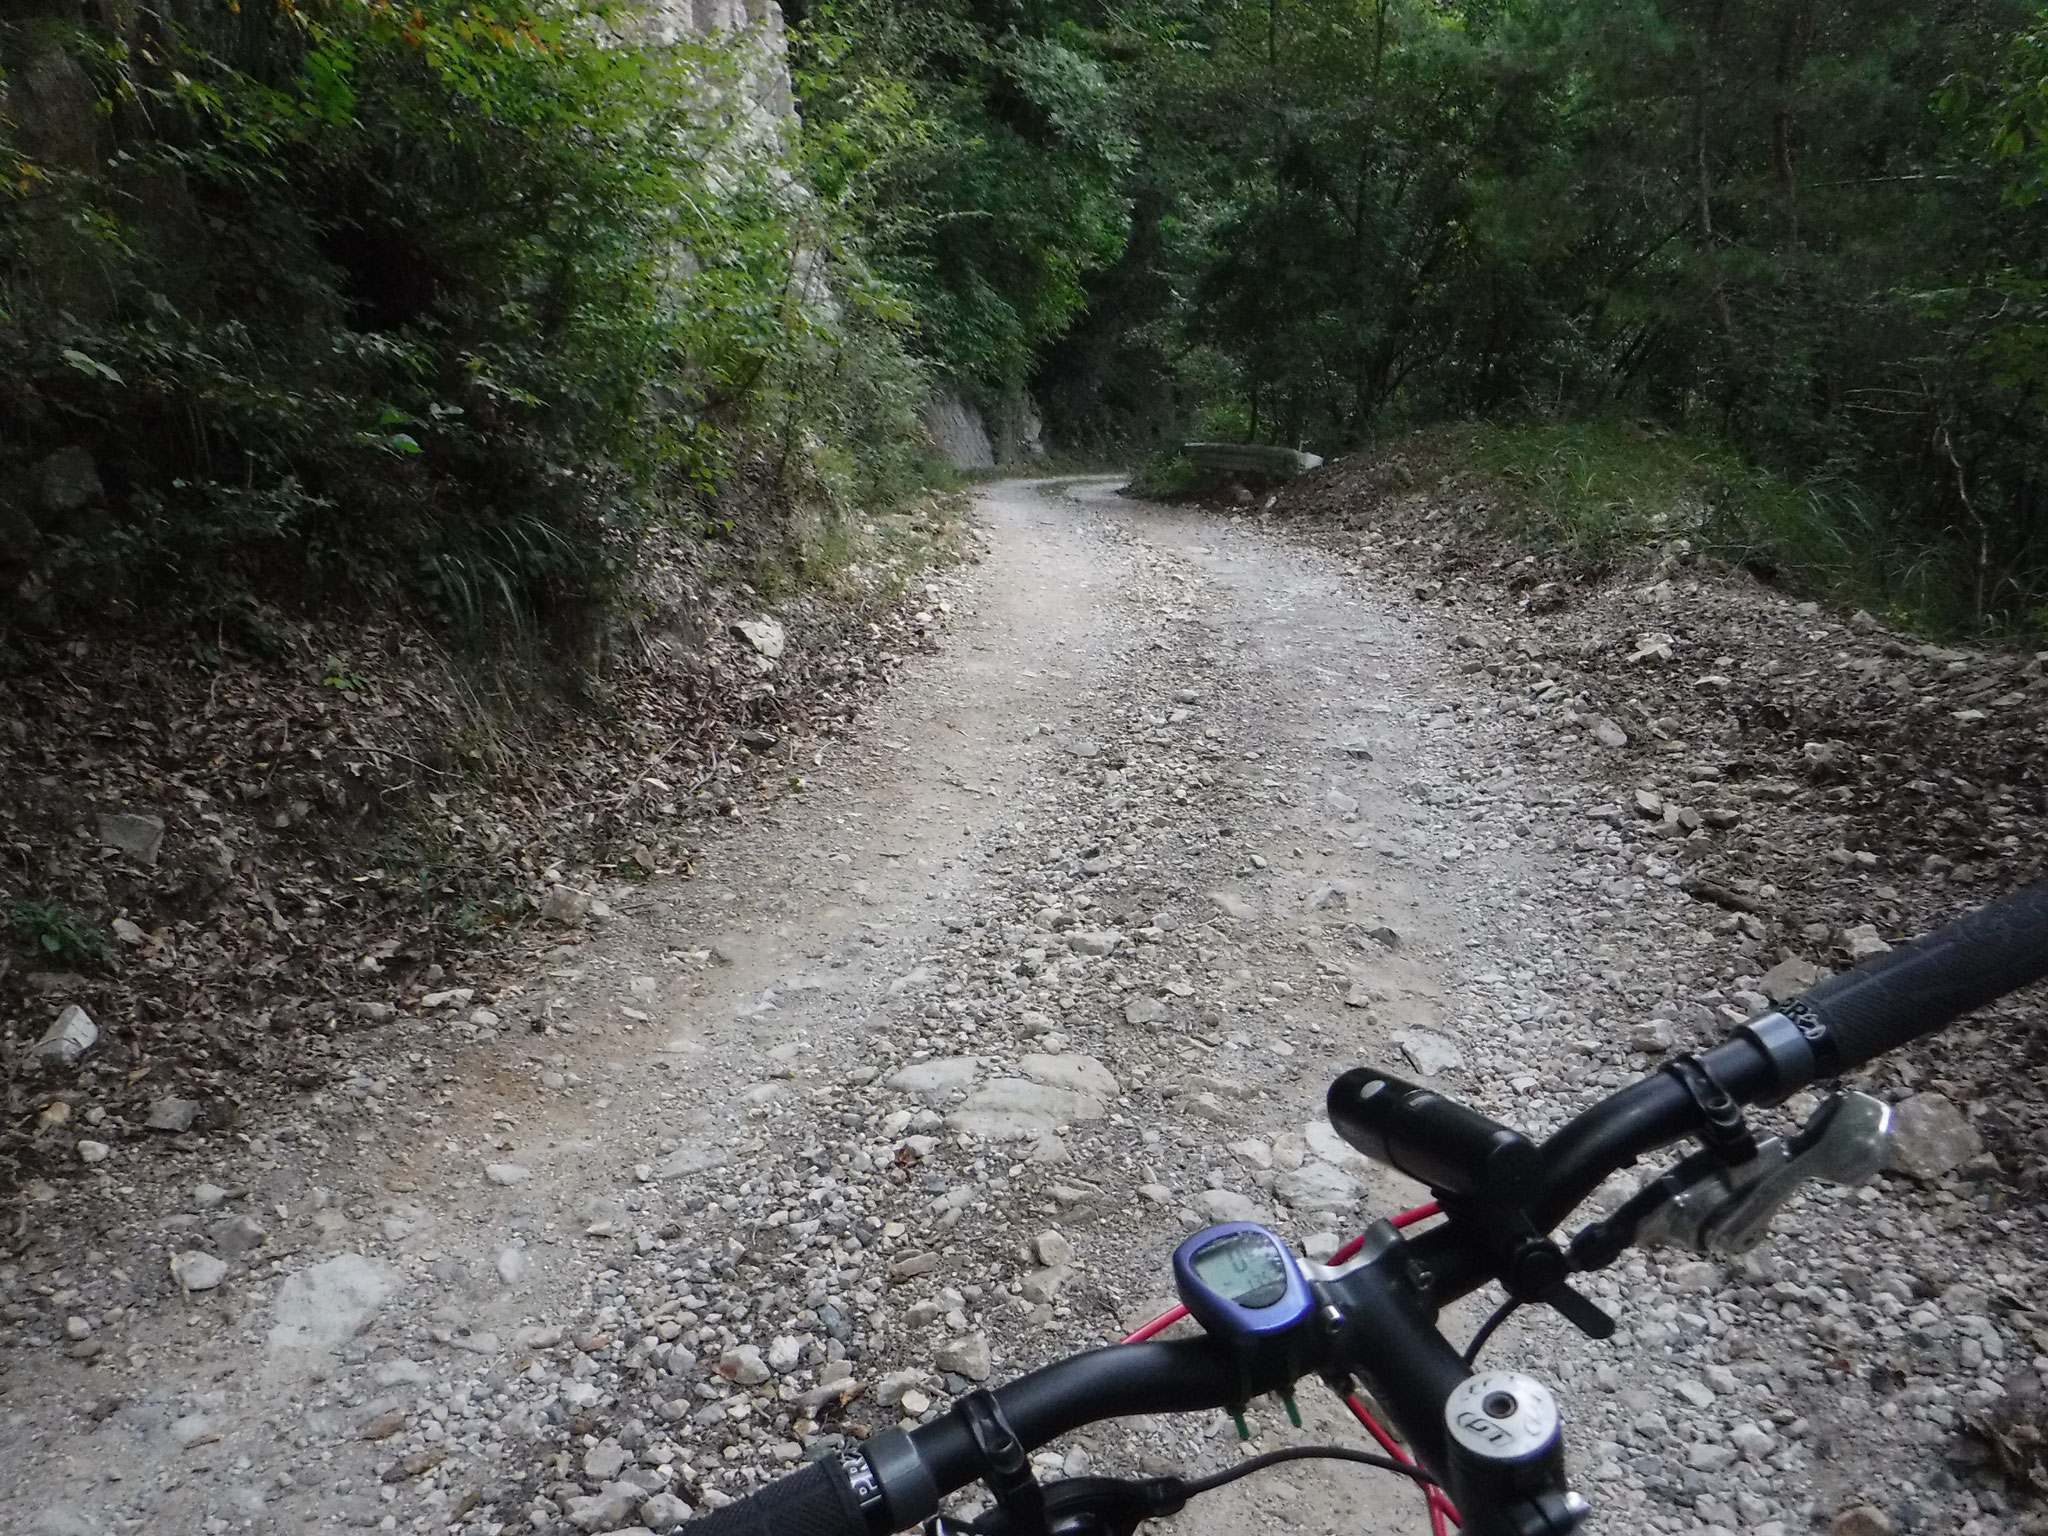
pixel 347 301
pixel 1798 245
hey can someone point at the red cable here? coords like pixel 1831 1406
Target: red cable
pixel 1159 1324
pixel 1167 1319
pixel 1440 1508
pixel 1404 1219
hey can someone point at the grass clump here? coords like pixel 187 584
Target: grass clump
pixel 57 934
pixel 1595 489
pixel 1169 475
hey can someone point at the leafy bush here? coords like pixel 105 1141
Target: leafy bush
pixel 1168 475
pixel 55 934
pixel 423 300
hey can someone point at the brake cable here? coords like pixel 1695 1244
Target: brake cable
pixel 1488 1328
pixel 1253 1464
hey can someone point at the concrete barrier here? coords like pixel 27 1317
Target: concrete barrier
pixel 1250 461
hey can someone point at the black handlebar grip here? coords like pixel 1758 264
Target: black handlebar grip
pixel 816 1501
pixel 1915 990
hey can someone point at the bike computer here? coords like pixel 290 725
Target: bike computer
pixel 1241 1284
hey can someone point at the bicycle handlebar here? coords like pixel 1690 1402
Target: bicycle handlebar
pixel 1910 992
pixel 815 1501
pixel 1388 1332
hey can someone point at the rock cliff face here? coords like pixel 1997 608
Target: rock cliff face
pixel 957 430
pixel 762 19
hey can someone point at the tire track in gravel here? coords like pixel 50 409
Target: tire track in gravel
pixel 919 1080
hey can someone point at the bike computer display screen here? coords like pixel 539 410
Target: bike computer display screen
pixel 1245 1267
pixel 1242 1285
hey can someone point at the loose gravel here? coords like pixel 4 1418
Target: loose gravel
pixel 917 1082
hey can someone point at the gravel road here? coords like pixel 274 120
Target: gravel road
pixel 919 1079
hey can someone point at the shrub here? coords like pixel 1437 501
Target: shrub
pixel 428 301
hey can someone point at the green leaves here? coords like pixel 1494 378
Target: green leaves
pixel 2019 116
pixel 984 165
pixel 58 934
pixel 431 298
pixel 91 367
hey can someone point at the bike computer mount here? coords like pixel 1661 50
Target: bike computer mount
pixel 1246 1289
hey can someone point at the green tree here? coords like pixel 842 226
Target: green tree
pixel 994 154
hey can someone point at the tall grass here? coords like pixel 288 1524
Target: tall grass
pixel 1595 489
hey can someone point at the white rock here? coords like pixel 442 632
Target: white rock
pixel 1316 1186
pixel 1324 1142
pixel 1430 1053
pixel 565 907
pixel 1093 941
pixel 1753 1441
pixel 743 1365
pixel 784 1353
pixel 1227 1205
pixel 967 1356
pixel 1710 1458
pixel 663 1513
pixel 1253 1154
pixel 765 635
pixel 692 1158
pixel 1230 904
pixel 173 1114
pixel 1078 1074
pixel 1052 1248
pixel 1930 1137
pixel 890 1389
pixel 330 1302
pixel 934 1082
pixel 66 1041
pixel 1694 1275
pixel 1040 1286
pixel 140 838
pixel 1790 977
pixel 1011 1109
pixel 507 1173
pixel 1144 1010
pixel 58 1520
pixel 197 1271
pixel 94 1151
pixel 608 1509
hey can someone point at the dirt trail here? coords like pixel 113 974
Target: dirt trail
pixel 915 1085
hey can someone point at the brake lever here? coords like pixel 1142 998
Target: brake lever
pixel 1726 1211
